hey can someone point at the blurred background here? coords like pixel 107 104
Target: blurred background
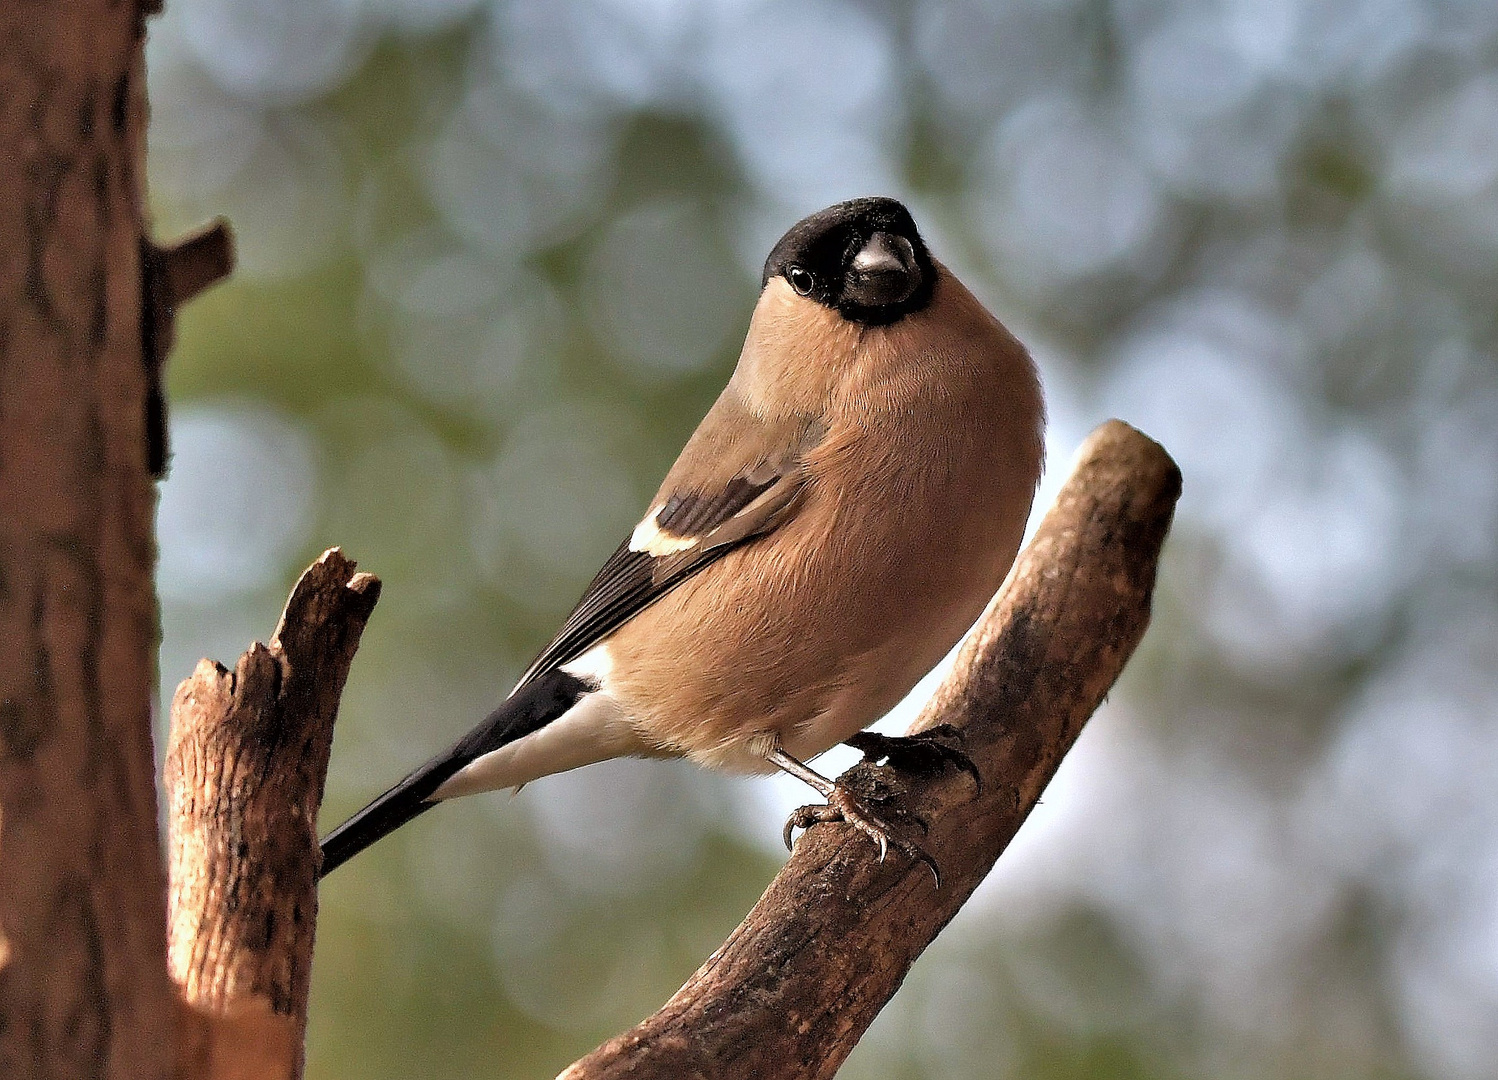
pixel 497 257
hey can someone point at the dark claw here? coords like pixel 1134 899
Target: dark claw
pixel 916 753
pixel 842 806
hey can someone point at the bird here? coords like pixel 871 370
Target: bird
pixel 836 523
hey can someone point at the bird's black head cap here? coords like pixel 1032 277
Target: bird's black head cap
pixel 865 258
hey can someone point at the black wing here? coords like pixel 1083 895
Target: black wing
pixel 631 580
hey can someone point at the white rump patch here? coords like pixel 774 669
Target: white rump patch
pixel 595 729
pixel 594 666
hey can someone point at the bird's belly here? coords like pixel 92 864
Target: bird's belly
pixel 877 680
pixel 767 653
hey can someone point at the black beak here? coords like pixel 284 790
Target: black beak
pixel 883 272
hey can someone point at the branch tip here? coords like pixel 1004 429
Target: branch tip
pixel 198 261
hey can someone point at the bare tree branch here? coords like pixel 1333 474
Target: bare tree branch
pixel 193 263
pixel 795 986
pixel 244 779
pixel 170 277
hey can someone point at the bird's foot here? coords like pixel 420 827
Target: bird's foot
pixel 842 805
pixel 926 751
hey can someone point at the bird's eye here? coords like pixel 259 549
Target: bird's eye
pixel 801 279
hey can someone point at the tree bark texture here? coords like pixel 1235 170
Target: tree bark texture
pixel 795 986
pixel 84 990
pixel 244 778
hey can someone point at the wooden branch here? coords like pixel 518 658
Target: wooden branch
pixel 197 261
pixel 244 776
pixel 796 985
pixel 170 277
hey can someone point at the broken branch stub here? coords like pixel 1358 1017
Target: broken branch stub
pixel 244 774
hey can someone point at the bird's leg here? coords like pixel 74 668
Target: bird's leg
pixel 925 751
pixel 843 805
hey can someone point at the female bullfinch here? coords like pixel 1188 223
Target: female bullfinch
pixel 837 521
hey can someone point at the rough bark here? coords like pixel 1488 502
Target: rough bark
pixel 795 986
pixel 84 990
pixel 244 779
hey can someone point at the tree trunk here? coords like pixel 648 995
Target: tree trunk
pixel 84 990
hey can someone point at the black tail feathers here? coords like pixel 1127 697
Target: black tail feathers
pixel 389 812
pixel 529 709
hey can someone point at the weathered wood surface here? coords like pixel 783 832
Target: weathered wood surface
pixel 244 778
